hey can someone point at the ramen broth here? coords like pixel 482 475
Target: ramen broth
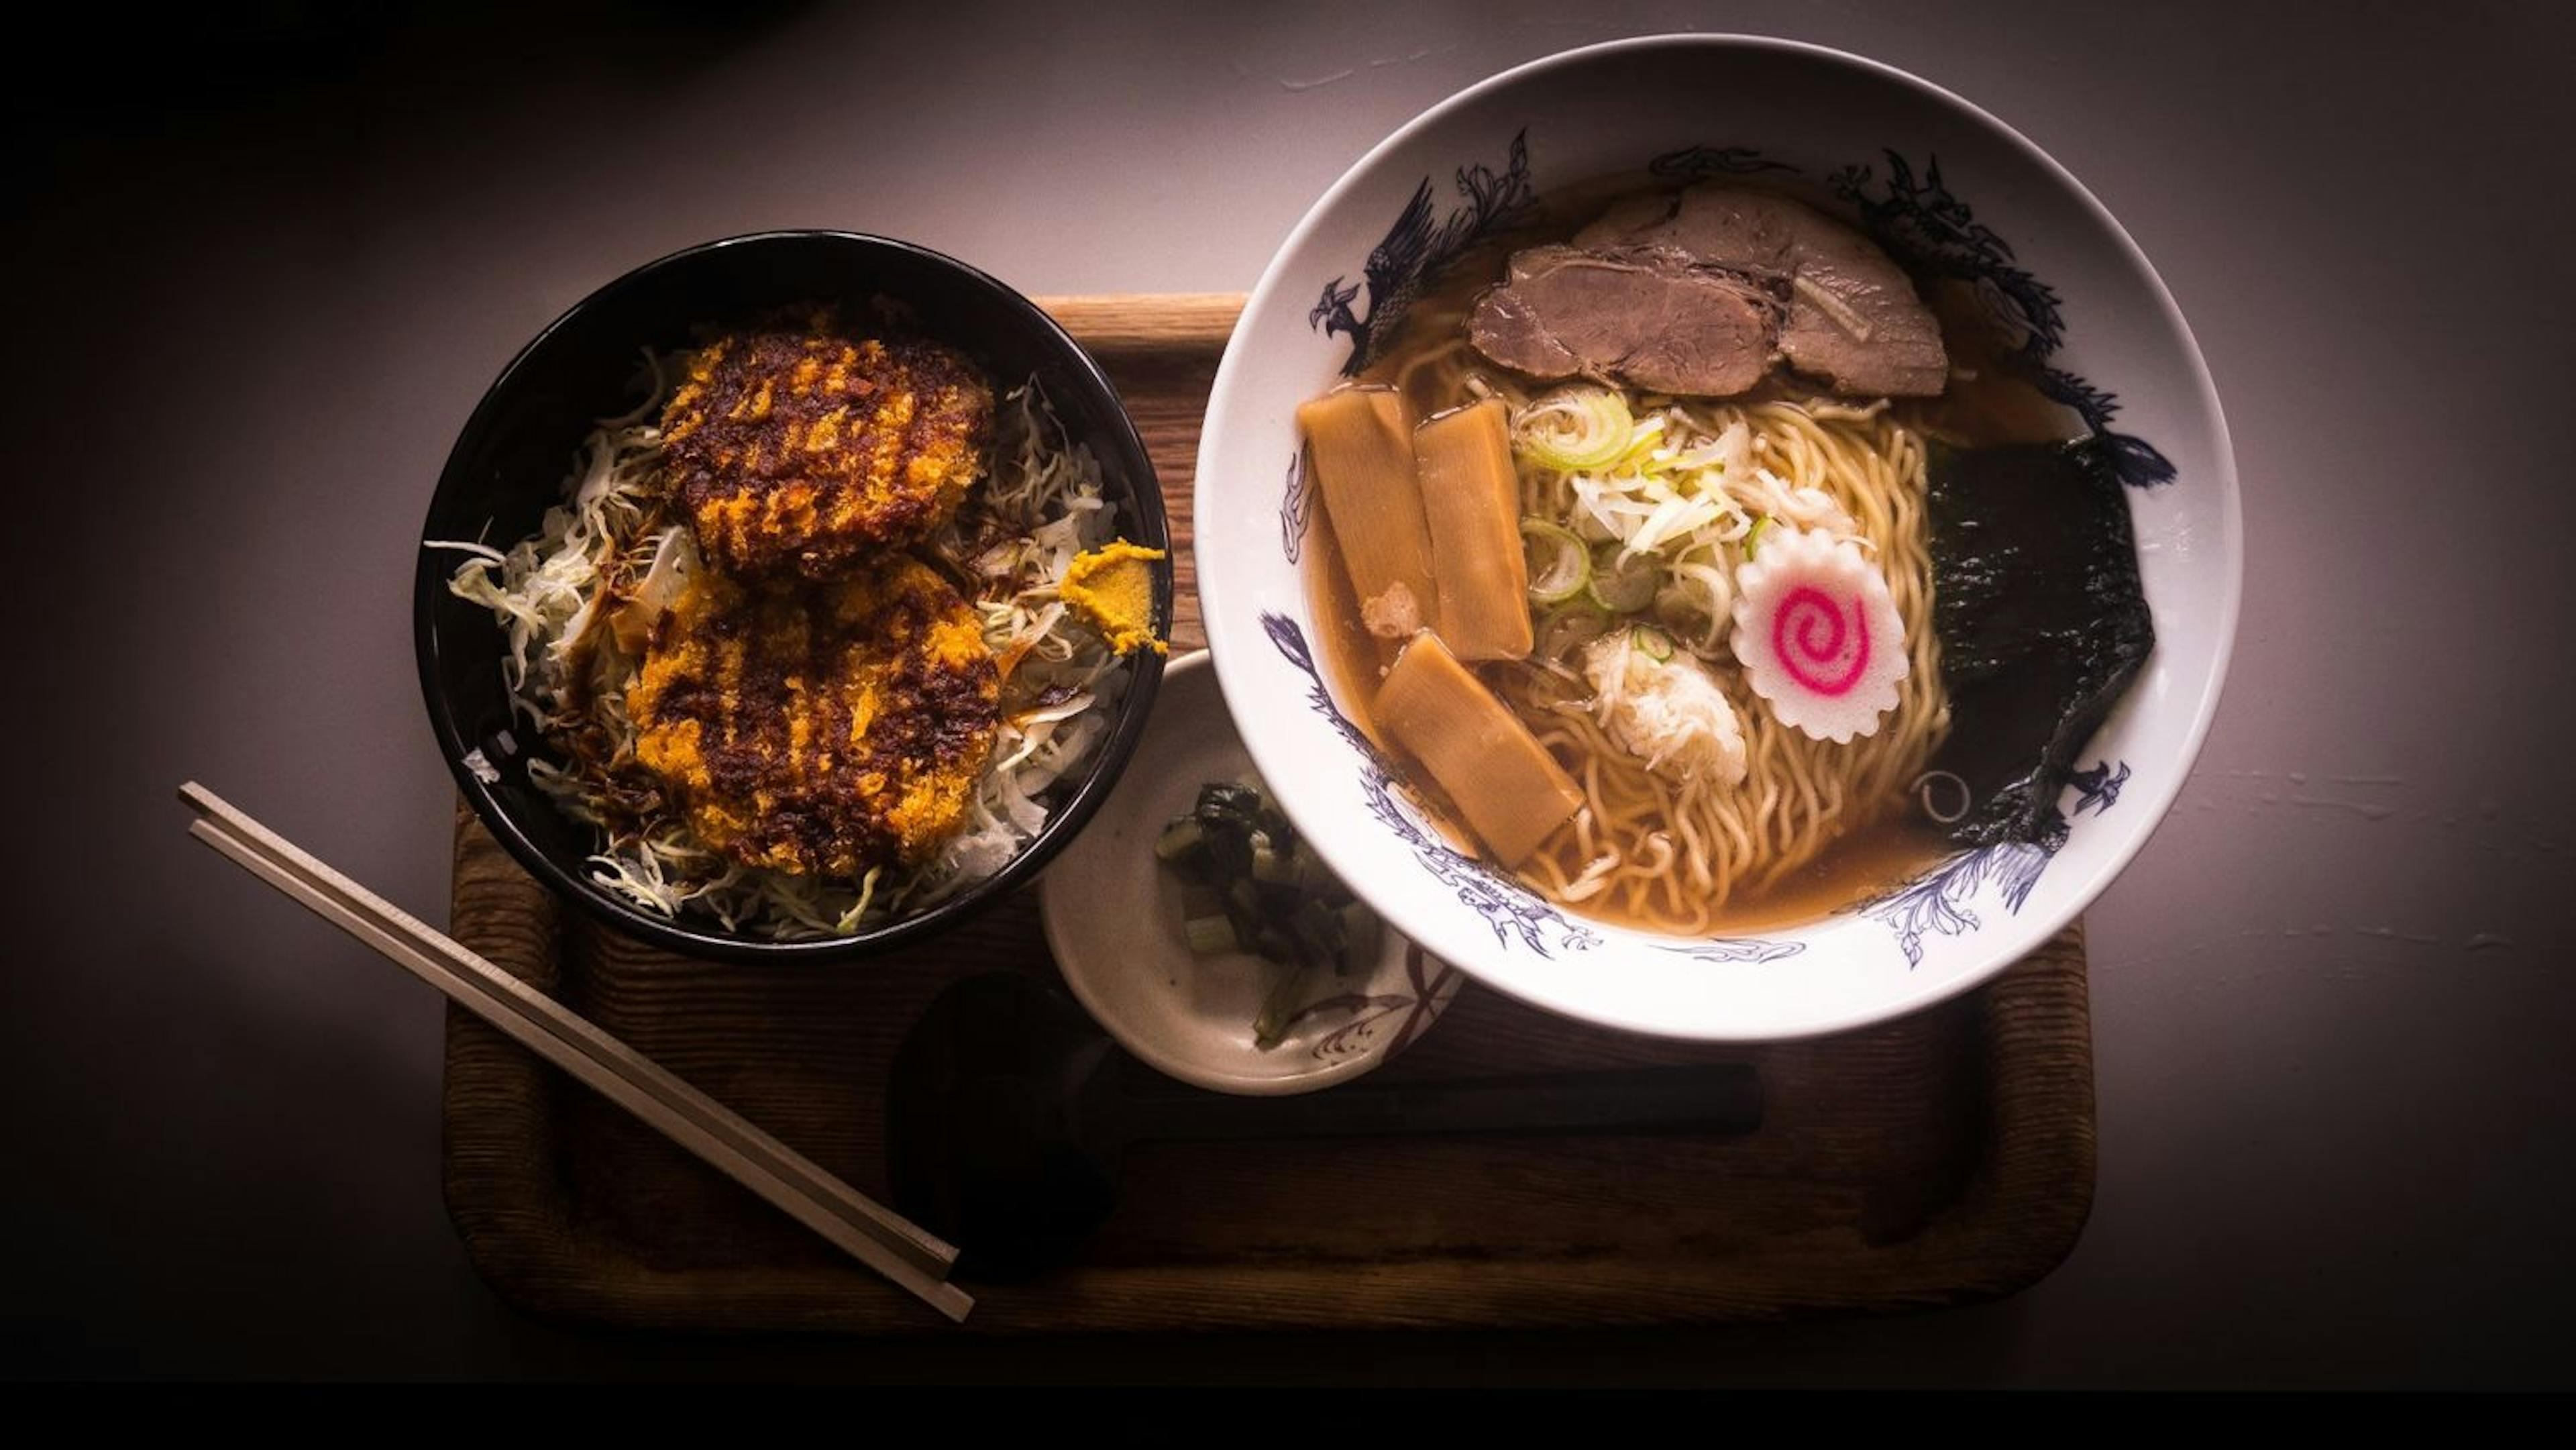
pixel 1983 404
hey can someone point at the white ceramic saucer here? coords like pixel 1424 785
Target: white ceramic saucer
pixel 1113 920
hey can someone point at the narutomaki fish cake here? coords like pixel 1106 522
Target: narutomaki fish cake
pixel 798 447
pixel 823 727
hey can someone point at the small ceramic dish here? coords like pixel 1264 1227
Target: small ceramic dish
pixel 1113 920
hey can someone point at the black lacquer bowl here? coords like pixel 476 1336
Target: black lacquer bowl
pixel 510 463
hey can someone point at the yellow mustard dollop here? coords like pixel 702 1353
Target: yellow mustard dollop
pixel 1112 588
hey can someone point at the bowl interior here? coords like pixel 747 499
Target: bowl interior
pixel 1941 185
pixel 510 464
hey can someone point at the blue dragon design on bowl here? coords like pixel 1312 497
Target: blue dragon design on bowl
pixel 1928 229
pixel 1417 248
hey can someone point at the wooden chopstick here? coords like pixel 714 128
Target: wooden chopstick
pixel 867 1230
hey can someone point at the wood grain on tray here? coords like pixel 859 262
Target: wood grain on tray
pixel 1940 1159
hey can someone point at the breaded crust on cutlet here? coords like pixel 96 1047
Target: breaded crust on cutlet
pixel 795 445
pixel 820 728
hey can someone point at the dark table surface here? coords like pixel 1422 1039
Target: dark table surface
pixel 259 280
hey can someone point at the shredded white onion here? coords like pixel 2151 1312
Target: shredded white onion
pixel 1668 488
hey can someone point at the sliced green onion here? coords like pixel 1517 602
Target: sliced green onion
pixel 1643 440
pixel 1754 533
pixel 1559 565
pixel 1569 625
pixel 1210 935
pixel 1695 606
pixel 1623 586
pixel 1653 643
pixel 1574 428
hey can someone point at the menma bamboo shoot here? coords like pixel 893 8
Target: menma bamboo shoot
pixel 1512 792
pixel 1471 502
pixel 1361 444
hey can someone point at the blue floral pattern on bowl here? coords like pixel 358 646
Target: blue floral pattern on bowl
pixel 1936 902
pixel 1751 950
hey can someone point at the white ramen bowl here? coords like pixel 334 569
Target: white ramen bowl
pixel 1939 183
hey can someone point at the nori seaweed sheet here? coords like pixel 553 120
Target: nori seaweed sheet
pixel 2043 625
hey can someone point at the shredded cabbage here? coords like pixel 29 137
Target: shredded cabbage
pixel 611 547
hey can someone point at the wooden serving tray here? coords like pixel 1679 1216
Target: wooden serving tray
pixel 1941 1159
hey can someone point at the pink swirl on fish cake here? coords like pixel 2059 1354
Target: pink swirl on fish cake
pixel 1800 616
pixel 1817 633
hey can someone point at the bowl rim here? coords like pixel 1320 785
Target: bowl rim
pixel 2027 933
pixel 710 943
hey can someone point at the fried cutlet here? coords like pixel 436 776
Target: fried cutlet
pixel 820 728
pixel 796 446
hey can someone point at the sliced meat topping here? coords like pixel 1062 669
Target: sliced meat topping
pixel 1651 317
pixel 1613 305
